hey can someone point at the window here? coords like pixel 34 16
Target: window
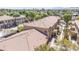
pixel 1 50
pixel 1 22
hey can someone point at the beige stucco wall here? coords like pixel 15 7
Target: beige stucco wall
pixel 44 30
pixel 50 30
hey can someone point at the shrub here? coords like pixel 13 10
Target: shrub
pixel 67 45
pixel 44 47
pixel 77 17
pixel 20 27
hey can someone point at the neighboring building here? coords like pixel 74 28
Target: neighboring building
pixel 77 27
pixel 73 32
pixel 77 24
pixel 45 25
pixel 23 41
pixel 9 21
pixel 74 15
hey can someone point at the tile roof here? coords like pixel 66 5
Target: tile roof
pixel 44 23
pixel 5 17
pixel 26 40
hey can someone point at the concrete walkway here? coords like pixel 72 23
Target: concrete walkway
pixel 60 37
pixel 52 42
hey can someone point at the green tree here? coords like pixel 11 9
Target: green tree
pixel 30 15
pixel 16 15
pixel 37 17
pixel 50 13
pixel 45 14
pixel 67 17
pixel 1 13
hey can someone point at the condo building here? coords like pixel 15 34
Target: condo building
pixel 45 25
pixel 35 34
pixel 9 21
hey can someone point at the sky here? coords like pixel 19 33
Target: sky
pixel 38 3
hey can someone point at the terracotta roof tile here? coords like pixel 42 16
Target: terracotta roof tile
pixel 44 23
pixel 26 40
